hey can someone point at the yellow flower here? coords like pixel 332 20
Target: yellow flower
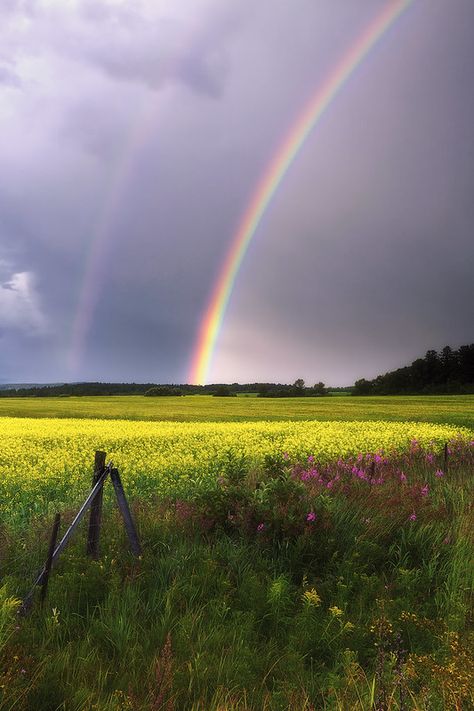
pixel 311 598
pixel 335 611
pixel 49 460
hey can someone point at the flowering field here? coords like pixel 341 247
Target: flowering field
pixel 286 565
pixel 45 464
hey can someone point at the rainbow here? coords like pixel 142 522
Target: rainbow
pixel 93 282
pixel 211 322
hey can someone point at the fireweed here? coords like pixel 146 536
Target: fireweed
pixel 45 463
pixel 303 565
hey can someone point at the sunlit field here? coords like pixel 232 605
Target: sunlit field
pixel 453 409
pixel 45 463
pixel 316 556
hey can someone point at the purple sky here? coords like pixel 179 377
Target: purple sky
pixel 132 135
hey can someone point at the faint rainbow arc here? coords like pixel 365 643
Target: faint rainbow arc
pixel 93 280
pixel 211 323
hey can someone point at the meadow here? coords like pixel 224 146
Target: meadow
pixel 296 555
pixel 441 409
pixel 45 463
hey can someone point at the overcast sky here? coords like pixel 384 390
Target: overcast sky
pixel 132 136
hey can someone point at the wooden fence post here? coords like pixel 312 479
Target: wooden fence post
pixel 446 452
pixel 95 519
pixel 49 559
pixel 125 511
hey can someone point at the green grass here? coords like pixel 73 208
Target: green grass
pixel 217 616
pixel 368 605
pixel 452 409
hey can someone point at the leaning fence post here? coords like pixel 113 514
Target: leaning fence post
pixel 49 559
pixel 125 511
pixel 446 452
pixel 27 601
pixel 92 548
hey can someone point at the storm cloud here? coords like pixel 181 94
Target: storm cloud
pixel 132 138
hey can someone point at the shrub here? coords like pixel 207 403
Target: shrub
pixel 163 391
pixel 223 391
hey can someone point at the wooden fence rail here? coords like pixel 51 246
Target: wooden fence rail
pixel 94 502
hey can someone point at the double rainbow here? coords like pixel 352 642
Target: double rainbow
pixel 214 315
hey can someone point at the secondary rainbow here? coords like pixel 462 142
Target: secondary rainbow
pixel 144 126
pixel 214 315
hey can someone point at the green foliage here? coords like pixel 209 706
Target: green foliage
pixel 267 589
pixel 8 607
pixel 163 391
pixel 320 389
pixel 223 391
pixel 449 371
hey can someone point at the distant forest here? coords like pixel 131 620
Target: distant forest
pixel 447 372
pixel 297 389
pixel 444 373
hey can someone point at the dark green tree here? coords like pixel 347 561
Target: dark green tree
pixel 223 391
pixel 320 389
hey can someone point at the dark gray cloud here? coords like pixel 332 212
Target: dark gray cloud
pixel 144 131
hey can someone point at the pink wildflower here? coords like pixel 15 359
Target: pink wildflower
pixel 412 517
pixel 403 477
pixel 424 490
pixel 311 516
pixel 260 527
pixel 311 458
pixel 439 473
pixel 286 455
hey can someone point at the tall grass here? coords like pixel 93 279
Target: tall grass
pixel 305 585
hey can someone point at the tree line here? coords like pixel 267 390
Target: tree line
pixel 297 389
pixel 445 372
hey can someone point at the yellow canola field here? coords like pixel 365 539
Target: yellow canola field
pixel 45 464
